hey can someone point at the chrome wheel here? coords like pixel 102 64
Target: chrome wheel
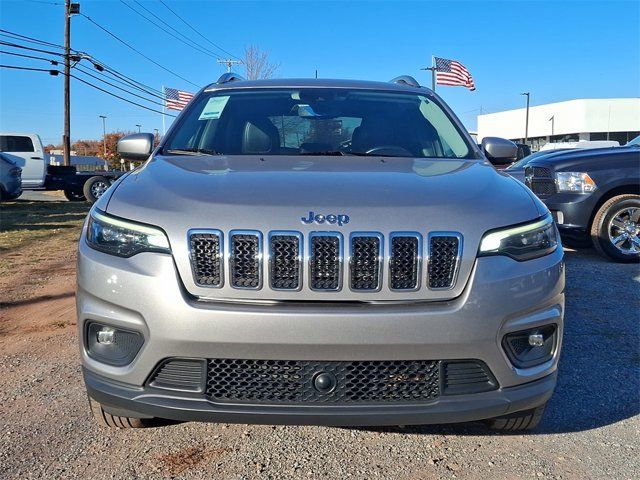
pixel 98 188
pixel 624 230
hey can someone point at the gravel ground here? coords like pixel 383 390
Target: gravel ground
pixel 591 428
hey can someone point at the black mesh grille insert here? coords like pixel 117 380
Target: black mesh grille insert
pixel 403 265
pixel 464 377
pixel 365 263
pixel 292 381
pixel 543 187
pixel 443 253
pixel 542 172
pixel 285 262
pixel 206 259
pixel 245 261
pixel 325 264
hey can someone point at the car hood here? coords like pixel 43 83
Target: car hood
pixel 178 193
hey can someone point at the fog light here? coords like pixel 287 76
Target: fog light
pixel 106 336
pixel 535 340
pixel 528 348
pixel 112 345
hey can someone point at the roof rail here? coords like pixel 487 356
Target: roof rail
pixel 406 80
pixel 229 77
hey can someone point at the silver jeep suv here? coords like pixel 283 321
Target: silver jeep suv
pixel 319 252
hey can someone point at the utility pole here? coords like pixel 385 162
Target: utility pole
pixel 526 122
pixel 104 135
pixel 229 63
pixel 69 9
pixel 66 136
pixel 139 127
pixel 433 76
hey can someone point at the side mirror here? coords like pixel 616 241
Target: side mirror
pixel 137 146
pixel 499 151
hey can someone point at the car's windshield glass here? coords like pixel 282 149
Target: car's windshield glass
pixel 635 142
pixel 317 122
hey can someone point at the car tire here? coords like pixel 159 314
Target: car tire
pixel 518 421
pixel 95 187
pixel 618 217
pixel 74 195
pixel 107 420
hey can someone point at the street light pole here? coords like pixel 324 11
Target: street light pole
pixel 526 123
pixel 553 121
pixel 139 127
pixel 104 135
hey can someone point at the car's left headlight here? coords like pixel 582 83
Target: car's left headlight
pixel 578 182
pixel 123 238
pixel 522 242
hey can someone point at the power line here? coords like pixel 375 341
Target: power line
pixel 192 44
pixel 57 72
pixel 83 71
pixel 118 96
pixel 7 33
pixel 134 83
pixel 137 51
pixel 192 28
pixel 53 62
pixel 87 71
pixel 24 47
pixel 32 69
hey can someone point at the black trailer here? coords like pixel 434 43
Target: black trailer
pixel 79 185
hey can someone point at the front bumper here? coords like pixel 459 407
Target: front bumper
pixel 144 293
pixel 127 401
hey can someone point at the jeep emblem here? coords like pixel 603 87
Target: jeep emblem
pixel 320 219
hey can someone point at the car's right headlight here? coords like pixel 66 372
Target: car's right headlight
pixel 522 242
pixel 577 182
pixel 123 238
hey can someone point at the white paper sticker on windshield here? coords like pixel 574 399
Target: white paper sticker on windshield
pixel 214 108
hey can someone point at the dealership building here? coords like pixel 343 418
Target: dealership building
pixel 570 121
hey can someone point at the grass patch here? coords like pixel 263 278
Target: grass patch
pixel 24 224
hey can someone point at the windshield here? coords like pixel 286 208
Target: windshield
pixel 634 143
pixel 317 122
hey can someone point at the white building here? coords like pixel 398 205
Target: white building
pixel 570 121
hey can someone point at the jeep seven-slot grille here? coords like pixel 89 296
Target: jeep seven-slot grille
pixel 371 263
pixel 326 262
pixel 443 260
pixel 245 260
pixel 285 262
pixel 404 264
pixel 292 381
pixel 365 262
pixel 206 258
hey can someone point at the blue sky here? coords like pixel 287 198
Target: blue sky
pixel 557 50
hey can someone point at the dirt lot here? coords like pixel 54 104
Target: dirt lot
pixel 591 429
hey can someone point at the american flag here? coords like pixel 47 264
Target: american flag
pixel 176 99
pixel 453 73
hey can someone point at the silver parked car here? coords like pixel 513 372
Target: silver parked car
pixel 319 252
pixel 10 179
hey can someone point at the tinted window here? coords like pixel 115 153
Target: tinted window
pixel 15 143
pixel 318 121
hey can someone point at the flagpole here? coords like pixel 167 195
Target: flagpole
pixel 164 102
pixel 433 73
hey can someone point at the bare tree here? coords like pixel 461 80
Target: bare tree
pixel 257 64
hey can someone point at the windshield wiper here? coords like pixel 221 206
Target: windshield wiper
pixel 193 151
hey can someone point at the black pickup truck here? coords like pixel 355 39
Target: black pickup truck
pixel 594 196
